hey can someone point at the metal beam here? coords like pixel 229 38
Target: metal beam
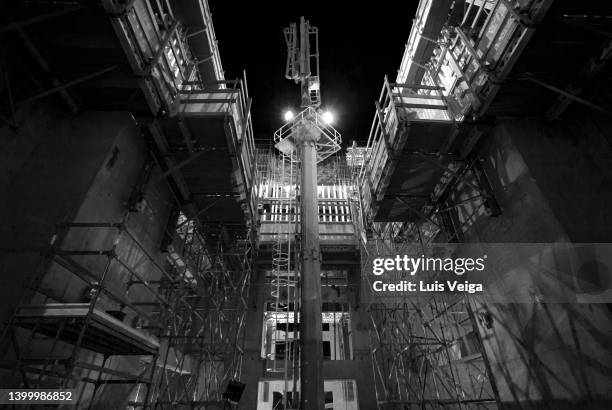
pixel 419 213
pixel 584 78
pixel 67 85
pixel 522 19
pixel 474 54
pixel 38 19
pixel 187 137
pixel 568 95
pixel 162 144
pixel 161 48
pixel 483 353
pixel 200 212
pixel 200 30
pixel 573 21
pixel 29 45
pixel 417 86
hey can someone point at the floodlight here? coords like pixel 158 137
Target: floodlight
pixel 328 117
pixel 288 115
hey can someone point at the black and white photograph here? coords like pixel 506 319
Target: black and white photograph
pixel 306 205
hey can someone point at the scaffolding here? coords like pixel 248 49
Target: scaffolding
pixel 422 125
pixel 426 349
pixel 197 112
pixel 133 326
pixel 109 313
pixel 445 350
pixel 157 48
pixel 203 347
pixel 475 49
pixel 99 336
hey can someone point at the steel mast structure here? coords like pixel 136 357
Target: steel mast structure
pixel 309 139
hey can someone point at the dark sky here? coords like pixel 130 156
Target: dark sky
pixel 359 43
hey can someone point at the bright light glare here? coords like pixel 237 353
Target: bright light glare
pixel 328 117
pixel 288 115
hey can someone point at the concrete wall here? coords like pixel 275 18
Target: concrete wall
pixel 551 179
pixel 61 167
pixel 552 183
pixel 570 162
pixel 526 214
pixel 47 167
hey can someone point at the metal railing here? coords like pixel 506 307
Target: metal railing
pixel 328 143
pixel 397 107
pixel 460 79
pixel 473 57
pixel 227 98
pixel 156 48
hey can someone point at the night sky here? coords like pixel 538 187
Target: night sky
pixel 358 44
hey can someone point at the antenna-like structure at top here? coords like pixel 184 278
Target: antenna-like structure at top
pixel 302 64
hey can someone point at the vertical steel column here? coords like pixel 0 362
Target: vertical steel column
pixel 304 59
pixel 310 314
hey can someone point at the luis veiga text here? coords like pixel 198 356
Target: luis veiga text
pixel 412 266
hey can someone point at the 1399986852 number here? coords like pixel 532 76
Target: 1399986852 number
pixel 14 396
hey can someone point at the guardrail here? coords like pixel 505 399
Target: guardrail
pixel 397 106
pixel 475 55
pixel 156 48
pixel 227 98
pixel 328 143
